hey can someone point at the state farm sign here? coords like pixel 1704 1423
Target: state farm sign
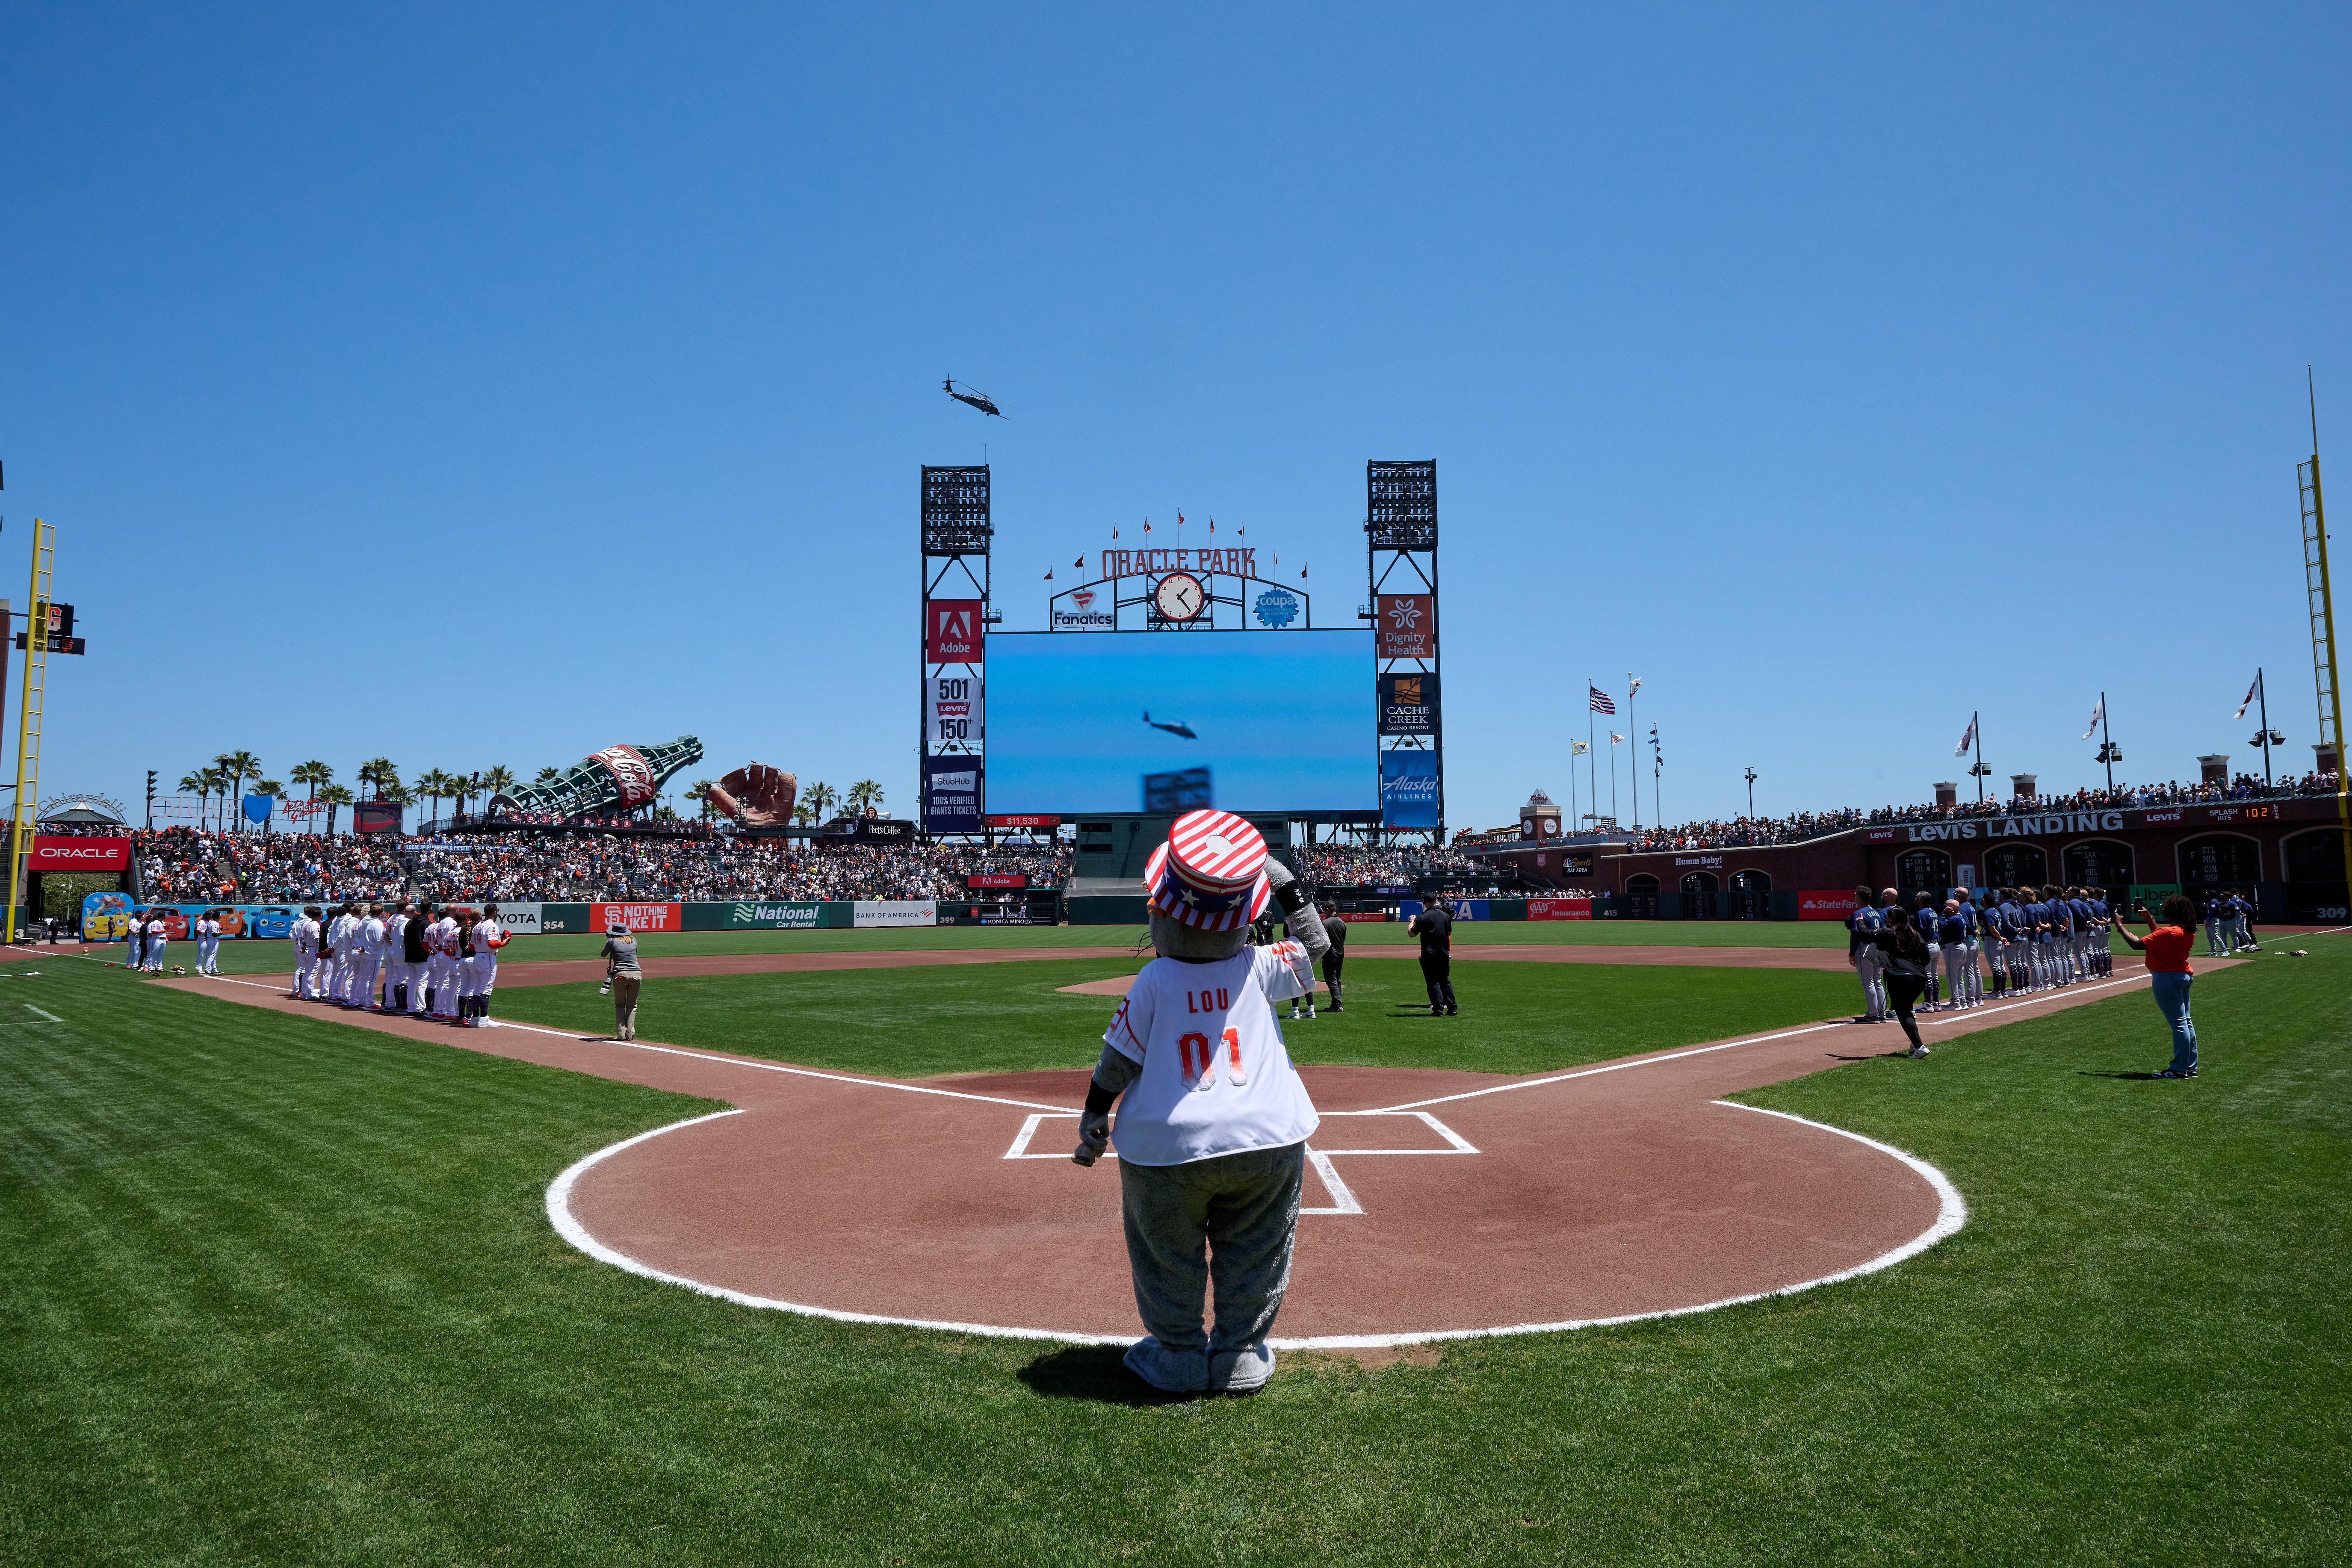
pixel 61 854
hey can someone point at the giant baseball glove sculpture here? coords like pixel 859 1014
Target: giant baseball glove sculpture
pixel 757 794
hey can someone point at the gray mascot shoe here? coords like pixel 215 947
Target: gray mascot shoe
pixel 1242 1371
pixel 1171 1372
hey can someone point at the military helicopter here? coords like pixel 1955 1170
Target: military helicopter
pixel 1179 728
pixel 973 395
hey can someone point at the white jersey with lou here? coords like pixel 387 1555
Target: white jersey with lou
pixel 1216 1079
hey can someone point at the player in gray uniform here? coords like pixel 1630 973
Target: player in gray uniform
pixel 1863 954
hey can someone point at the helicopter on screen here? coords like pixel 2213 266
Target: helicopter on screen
pixel 973 395
pixel 1179 728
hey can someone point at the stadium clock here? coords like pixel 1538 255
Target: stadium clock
pixel 1179 596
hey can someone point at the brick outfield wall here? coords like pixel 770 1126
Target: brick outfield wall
pixel 1869 855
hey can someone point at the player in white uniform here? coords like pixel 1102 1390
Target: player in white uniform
pixel 395 961
pixel 338 950
pixel 305 935
pixel 134 942
pixel 487 938
pixel 369 961
pixel 208 938
pixel 159 938
pixel 445 965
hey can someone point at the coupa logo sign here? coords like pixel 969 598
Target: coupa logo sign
pixel 1276 608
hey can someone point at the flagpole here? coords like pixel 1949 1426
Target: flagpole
pixel 1629 758
pixel 1592 778
pixel 2108 740
pixel 2265 699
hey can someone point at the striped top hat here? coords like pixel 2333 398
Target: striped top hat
pixel 1210 874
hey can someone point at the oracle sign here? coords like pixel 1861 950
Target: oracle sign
pixel 62 853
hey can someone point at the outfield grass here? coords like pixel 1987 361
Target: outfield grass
pixel 277 957
pixel 279 1291
pixel 1517 1017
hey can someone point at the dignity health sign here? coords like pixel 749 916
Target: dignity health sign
pixel 57 853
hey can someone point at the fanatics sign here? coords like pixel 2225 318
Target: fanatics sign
pixel 59 853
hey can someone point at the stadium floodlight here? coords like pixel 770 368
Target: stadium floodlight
pixel 1752 793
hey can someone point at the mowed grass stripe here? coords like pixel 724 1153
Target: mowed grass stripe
pixel 292 1298
pixel 911 1023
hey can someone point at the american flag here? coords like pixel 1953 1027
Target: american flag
pixel 1600 701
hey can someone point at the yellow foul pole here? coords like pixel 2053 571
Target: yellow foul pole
pixel 29 717
pixel 2322 646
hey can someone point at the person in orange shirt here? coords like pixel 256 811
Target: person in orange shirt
pixel 2167 946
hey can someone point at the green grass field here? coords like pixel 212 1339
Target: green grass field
pixel 276 957
pixel 279 1291
pixel 1517 1017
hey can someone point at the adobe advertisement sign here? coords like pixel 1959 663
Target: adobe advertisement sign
pixel 1409 704
pixel 1408 624
pixel 951 712
pixel 951 795
pixel 1409 789
pixel 59 853
pixel 996 879
pixel 952 630
pixel 637 917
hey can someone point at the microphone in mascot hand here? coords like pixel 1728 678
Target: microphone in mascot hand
pixel 1214 1121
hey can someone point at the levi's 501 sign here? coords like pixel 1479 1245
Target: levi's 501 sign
pixel 952 631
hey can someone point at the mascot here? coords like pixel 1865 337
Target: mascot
pixel 1213 1121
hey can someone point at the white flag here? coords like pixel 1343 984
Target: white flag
pixel 1615 738
pixel 1633 689
pixel 2249 703
pixel 1577 748
pixel 1967 741
pixel 2098 711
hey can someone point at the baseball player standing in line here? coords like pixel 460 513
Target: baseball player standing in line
pixel 208 934
pixel 159 939
pixel 1926 917
pixel 134 941
pixel 368 961
pixel 1959 960
pixel 338 955
pixel 1863 954
pixel 442 970
pixel 417 952
pixel 1972 986
pixel 396 959
pixel 305 934
pixel 488 939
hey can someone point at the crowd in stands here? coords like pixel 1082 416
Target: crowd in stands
pixel 1743 831
pixel 1391 865
pixel 186 865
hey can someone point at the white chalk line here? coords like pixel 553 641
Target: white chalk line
pixel 1951 1213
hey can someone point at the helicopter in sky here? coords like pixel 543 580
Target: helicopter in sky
pixel 973 395
pixel 1179 728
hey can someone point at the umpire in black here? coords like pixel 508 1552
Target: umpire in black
pixel 1434 926
pixel 1337 930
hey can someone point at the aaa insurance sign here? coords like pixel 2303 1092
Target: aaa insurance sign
pixel 59 853
pixel 952 630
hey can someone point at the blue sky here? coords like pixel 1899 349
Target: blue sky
pixel 488 384
pixel 1279 718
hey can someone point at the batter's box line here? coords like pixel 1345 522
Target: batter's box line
pixel 1343 1198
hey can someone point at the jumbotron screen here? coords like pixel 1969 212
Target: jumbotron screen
pixel 1165 721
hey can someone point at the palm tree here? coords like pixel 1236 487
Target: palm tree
pixel 381 773
pixel 820 797
pixel 804 812
pixel 546 776
pixel 200 784
pixel 218 778
pixel 240 766
pixel 312 773
pixel 863 795
pixel 700 790
pixel 497 780
pixel 433 783
pixel 337 797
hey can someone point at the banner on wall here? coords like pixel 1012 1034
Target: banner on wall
pixel 1829 904
pixel 792 914
pixel 1409 789
pixel 952 632
pixel 871 914
pixel 951 795
pixel 519 919
pixel 59 853
pixel 1409 704
pixel 637 917
pixel 951 712
pixel 105 917
pixel 1559 908
pixel 375 816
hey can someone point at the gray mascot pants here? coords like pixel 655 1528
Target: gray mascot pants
pixel 1230 1221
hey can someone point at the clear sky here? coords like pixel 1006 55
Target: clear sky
pixel 485 383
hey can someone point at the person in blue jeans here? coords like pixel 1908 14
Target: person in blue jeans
pixel 2167 947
